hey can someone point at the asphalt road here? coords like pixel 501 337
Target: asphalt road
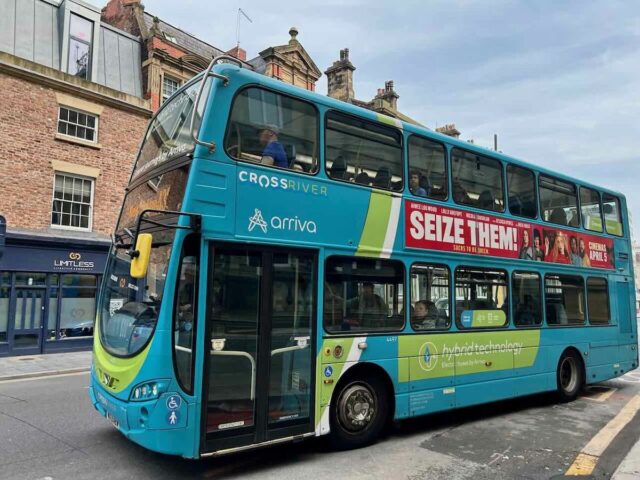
pixel 49 430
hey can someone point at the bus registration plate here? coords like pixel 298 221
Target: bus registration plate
pixel 113 420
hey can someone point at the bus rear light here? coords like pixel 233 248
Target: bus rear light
pixel 148 390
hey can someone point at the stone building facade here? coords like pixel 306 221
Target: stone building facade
pixel 73 115
pixel 172 56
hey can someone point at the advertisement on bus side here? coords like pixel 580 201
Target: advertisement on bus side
pixel 448 229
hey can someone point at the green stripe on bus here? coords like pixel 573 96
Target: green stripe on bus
pixel 375 226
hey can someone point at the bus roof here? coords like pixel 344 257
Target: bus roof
pixel 249 76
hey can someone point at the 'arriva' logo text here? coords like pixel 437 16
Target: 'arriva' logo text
pixel 290 224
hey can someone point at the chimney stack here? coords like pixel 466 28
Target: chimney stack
pixel 238 53
pixel 340 78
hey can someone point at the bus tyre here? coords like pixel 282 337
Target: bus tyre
pixel 570 376
pixel 358 413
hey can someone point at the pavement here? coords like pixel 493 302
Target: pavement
pixel 629 469
pixel 26 366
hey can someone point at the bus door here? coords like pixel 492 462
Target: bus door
pixel 261 322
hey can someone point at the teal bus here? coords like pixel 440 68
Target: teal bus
pixel 286 265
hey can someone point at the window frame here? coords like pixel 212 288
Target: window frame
pixel 604 215
pixel 89 44
pixel 541 302
pixel 535 191
pixel 459 325
pixel 186 242
pixel 91 204
pixel 318 117
pixel 485 157
pixel 447 175
pixel 170 79
pixel 608 323
pixel 584 300
pixel 410 296
pixel 403 160
pixel 76 138
pixel 352 333
pixel 583 219
pixel 576 196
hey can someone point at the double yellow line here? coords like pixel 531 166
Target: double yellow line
pixel 588 457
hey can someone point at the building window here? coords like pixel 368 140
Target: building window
pixel 72 202
pixel 78 305
pixel 169 87
pixel 80 35
pixel 363 295
pixel 78 124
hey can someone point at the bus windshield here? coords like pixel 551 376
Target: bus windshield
pixel 130 306
pixel 169 134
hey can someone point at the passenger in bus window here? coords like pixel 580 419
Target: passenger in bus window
pixel 414 184
pixel 273 153
pixel 368 307
pixel 538 254
pixel 425 315
pixel 582 254
pixel 526 251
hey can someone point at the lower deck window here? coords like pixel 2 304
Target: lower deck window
pixel 598 301
pixel 527 299
pixel 481 298
pixel 564 299
pixel 363 295
pixel 430 297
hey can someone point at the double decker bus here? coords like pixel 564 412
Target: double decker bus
pixel 286 265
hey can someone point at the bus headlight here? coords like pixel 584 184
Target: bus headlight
pixel 148 390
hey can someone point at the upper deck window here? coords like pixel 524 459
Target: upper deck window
pixel 168 135
pixel 612 218
pixel 477 181
pixel 558 201
pixel 522 191
pixel 427 168
pixel 273 129
pixel 363 152
pixel 590 209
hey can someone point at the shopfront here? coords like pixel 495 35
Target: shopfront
pixel 48 293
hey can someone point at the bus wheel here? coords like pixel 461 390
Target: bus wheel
pixel 570 376
pixel 359 412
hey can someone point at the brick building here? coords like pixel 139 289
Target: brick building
pixel 73 115
pixel 171 56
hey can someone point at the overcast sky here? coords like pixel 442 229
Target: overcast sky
pixel 559 82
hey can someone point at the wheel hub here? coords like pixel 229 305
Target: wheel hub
pixel 356 408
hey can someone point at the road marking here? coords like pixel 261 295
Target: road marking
pixel 600 397
pixel 43 377
pixel 586 461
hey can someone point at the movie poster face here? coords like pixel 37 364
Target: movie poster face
pixel 452 230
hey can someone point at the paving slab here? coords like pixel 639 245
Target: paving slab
pixel 40 365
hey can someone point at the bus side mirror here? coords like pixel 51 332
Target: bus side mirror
pixel 141 255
